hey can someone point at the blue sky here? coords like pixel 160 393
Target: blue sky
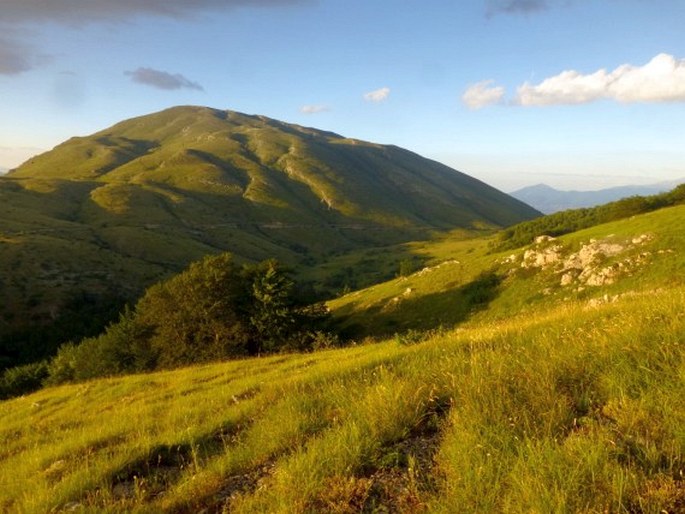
pixel 575 93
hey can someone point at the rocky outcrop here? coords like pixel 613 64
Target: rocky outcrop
pixel 595 263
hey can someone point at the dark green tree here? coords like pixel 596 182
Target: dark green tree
pixel 214 310
pixel 195 316
pixel 272 309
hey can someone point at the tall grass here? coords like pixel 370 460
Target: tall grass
pixel 572 409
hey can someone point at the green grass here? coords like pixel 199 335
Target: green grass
pixel 442 292
pixel 502 391
pixel 571 409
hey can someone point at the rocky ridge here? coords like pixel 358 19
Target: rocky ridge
pixel 596 263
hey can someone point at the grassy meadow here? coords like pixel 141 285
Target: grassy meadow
pixel 499 386
pixel 574 409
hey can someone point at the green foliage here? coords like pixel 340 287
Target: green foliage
pixel 575 219
pixel 63 366
pixel 410 337
pixel 481 290
pixel 114 212
pixel 124 347
pixel 22 379
pixel 272 312
pixel 214 310
pixel 197 316
pixel 83 315
pixel 406 267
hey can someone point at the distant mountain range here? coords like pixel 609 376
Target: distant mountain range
pixel 547 200
pixel 104 216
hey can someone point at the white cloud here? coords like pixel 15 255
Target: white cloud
pixel 481 94
pixel 314 109
pixel 379 95
pixel 660 80
pixel 569 87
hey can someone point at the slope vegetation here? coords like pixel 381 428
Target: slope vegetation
pixel 466 279
pixel 553 394
pixel 99 218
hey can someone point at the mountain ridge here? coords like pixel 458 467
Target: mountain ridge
pixel 549 200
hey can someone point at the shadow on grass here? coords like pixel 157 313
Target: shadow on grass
pixel 407 312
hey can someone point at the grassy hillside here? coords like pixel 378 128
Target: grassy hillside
pixel 559 391
pixel 108 214
pixel 466 279
pixel 574 409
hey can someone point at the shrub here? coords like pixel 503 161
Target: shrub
pixel 213 310
pixel 62 367
pixel 23 379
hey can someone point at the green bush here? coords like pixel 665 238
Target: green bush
pixel 214 310
pixel 23 379
pixel 62 367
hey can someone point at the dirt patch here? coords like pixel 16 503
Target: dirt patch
pixel 240 484
pixel 398 478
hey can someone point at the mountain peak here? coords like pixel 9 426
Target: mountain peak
pixel 549 200
pixel 288 171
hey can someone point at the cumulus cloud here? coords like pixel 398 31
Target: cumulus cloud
pixel 379 95
pixel 162 79
pixel 481 94
pixel 660 80
pixel 76 12
pixel 516 6
pixel 314 109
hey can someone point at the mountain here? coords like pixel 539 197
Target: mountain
pixel 92 222
pixel 548 200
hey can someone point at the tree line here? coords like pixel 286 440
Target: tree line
pixel 568 221
pixel 216 309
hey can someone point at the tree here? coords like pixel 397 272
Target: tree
pixel 213 310
pixel 195 316
pixel 272 309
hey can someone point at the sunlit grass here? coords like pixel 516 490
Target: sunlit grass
pixel 572 409
pixel 533 403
